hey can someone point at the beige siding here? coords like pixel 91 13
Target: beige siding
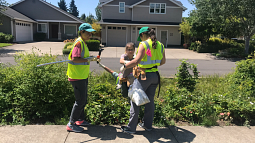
pixel 174 38
pixel 127 2
pixel 168 3
pixel 112 12
pixel 172 15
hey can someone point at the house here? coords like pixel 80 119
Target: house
pixel 121 20
pixel 26 17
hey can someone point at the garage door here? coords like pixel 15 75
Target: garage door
pixel 23 31
pixel 116 36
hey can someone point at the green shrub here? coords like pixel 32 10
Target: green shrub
pixel 39 36
pixel 6 38
pixel 184 78
pixel 93 45
pixel 68 44
pixel 66 51
pixel 30 93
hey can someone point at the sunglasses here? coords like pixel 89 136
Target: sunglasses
pixel 130 49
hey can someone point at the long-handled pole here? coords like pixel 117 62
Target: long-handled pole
pixel 100 51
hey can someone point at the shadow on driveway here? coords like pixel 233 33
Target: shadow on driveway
pixel 4 51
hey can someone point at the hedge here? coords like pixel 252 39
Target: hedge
pixel 6 38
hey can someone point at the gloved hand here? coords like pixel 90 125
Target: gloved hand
pixel 99 60
pixel 125 62
pixel 101 65
pixel 122 69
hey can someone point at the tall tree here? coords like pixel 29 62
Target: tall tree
pixel 62 5
pixel 98 13
pixel 83 17
pixel 229 13
pixel 73 9
pixel 90 18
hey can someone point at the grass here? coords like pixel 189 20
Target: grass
pixel 4 45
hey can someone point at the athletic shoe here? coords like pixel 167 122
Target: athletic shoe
pixel 125 129
pixel 142 126
pixel 73 128
pixel 82 123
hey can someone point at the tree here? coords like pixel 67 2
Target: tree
pixel 96 27
pixel 98 13
pixel 230 13
pixel 73 9
pixel 185 29
pixel 62 5
pixel 90 18
pixel 83 17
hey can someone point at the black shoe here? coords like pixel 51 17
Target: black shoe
pixel 126 130
pixel 142 126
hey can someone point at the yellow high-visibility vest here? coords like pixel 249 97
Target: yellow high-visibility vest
pixel 79 70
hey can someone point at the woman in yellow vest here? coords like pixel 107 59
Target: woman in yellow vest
pixel 150 55
pixel 78 71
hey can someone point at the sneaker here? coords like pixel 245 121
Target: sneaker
pixel 73 128
pixel 142 126
pixel 125 129
pixel 82 123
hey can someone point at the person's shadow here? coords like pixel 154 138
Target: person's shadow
pixel 172 134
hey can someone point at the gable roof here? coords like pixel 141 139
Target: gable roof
pixel 56 8
pixel 15 15
pixel 173 1
pixel 105 3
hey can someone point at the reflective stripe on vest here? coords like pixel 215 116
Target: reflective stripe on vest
pixel 149 61
pixel 82 55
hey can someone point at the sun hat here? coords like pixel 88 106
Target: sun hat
pixel 86 27
pixel 143 29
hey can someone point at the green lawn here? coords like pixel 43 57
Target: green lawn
pixel 4 45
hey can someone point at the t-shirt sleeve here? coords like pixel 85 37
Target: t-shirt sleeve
pixel 77 50
pixel 122 56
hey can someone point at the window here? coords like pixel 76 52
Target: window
pixel 171 34
pixel 123 28
pixel 157 8
pixel 119 28
pixel 122 7
pixel 109 27
pixel 114 28
pixel 42 28
pixel 70 29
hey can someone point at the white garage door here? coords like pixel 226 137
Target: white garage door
pixel 23 31
pixel 116 36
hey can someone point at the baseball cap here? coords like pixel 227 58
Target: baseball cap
pixel 143 29
pixel 86 27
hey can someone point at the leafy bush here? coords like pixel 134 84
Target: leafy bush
pixel 6 38
pixel 67 45
pixel 184 78
pixel 66 51
pixel 39 36
pixel 30 93
pixel 93 45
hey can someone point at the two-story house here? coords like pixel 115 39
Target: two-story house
pixel 121 20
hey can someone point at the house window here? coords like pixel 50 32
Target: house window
pixel 157 8
pixel 70 30
pixel 109 27
pixel 119 28
pixel 42 28
pixel 122 7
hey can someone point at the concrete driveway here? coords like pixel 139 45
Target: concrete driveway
pixel 110 52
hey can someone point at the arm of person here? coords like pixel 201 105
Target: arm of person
pixel 76 54
pixel 78 60
pixel 163 61
pixel 122 61
pixel 138 58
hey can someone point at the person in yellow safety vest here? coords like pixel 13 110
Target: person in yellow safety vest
pixel 77 72
pixel 150 55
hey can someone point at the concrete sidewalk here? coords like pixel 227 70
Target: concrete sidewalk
pixel 98 134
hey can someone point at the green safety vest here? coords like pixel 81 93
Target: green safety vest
pixel 156 56
pixel 79 70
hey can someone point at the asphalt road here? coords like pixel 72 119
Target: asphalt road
pixel 206 67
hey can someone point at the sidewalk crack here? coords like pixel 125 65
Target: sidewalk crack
pixel 67 137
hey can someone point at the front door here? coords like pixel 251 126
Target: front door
pixel 54 29
pixel 164 38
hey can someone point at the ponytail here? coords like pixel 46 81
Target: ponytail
pixel 152 35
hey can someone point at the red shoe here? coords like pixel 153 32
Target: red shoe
pixel 82 123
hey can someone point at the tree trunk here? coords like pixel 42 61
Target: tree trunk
pixel 247 43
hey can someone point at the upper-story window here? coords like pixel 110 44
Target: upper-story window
pixel 122 7
pixel 157 8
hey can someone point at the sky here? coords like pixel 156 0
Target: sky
pixel 88 6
